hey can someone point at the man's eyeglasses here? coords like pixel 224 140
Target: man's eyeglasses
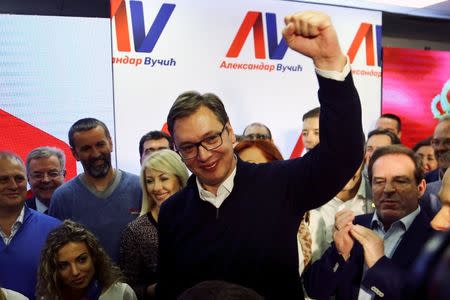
pixel 51 174
pixel 190 150
pixel 438 142
pixel 257 136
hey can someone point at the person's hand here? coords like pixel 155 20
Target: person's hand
pixel 372 244
pixel 341 232
pixel 312 34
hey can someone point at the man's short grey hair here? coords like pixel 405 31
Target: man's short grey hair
pixel 46 152
pixel 11 156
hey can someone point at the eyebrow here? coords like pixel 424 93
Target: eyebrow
pixel 205 135
pixel 64 261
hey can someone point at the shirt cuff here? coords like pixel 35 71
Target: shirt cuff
pixel 335 75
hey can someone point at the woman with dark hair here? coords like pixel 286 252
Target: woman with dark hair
pixel 257 151
pixel 75 266
pixel 426 153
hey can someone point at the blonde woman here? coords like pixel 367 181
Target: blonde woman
pixel 74 266
pixel 162 174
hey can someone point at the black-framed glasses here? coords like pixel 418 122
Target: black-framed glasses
pixel 190 150
pixel 438 142
pixel 257 136
pixel 50 174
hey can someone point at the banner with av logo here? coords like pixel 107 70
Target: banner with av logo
pixel 233 49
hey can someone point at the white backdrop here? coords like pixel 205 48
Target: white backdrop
pixel 193 45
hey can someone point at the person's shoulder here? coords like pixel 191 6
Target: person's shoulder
pixel 138 223
pixel 433 187
pixel 118 290
pixel 43 219
pixel 130 180
pixel 13 295
pixel 67 187
pixel 128 175
pixel 432 176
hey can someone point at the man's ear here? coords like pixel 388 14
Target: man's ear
pixel 110 143
pixel 422 187
pixel 231 133
pixel 75 154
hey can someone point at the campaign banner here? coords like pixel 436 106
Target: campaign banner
pixel 416 87
pixel 53 71
pixel 235 50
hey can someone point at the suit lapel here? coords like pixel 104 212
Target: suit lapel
pixel 413 240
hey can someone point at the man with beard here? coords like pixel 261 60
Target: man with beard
pixel 45 172
pixel 102 198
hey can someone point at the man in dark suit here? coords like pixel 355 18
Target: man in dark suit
pixel 371 253
pixel 46 168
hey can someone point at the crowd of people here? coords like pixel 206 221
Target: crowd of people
pixel 345 220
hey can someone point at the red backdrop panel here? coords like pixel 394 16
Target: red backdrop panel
pixel 411 80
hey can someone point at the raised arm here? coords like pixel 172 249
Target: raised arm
pixel 312 34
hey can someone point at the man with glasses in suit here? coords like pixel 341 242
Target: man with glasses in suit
pixel 46 168
pixel 238 221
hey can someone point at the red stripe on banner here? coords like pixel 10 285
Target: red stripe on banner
pixel 298 148
pixel 21 137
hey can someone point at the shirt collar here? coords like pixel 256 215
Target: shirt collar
pixel 40 206
pixel 19 219
pixel 406 221
pixel 223 191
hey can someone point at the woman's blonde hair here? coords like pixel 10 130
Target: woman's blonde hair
pixel 166 161
pixel 49 285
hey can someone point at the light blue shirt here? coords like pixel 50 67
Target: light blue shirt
pixel 40 206
pixel 392 238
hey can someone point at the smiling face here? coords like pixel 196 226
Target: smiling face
pixel 93 149
pixel 441 143
pixel 395 191
pixel 160 185
pixel 45 175
pixel 310 132
pixel 429 161
pixel 13 184
pixel 75 266
pixel 214 166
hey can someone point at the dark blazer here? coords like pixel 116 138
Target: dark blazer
pixel 430 202
pixel 31 203
pixel 331 275
pixel 433 175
